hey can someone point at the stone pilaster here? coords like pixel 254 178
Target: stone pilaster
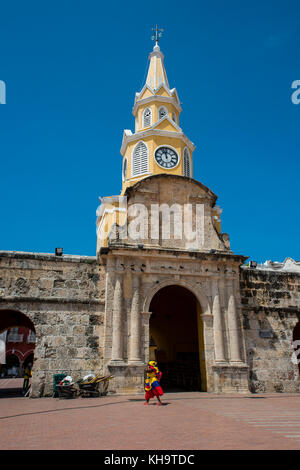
pixel 135 324
pixel 233 328
pixel 207 321
pixel 146 321
pixel 217 324
pixel 117 323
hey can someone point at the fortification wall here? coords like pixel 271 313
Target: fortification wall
pixel 64 297
pixel 270 311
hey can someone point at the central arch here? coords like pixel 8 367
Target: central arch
pixel 176 338
pixel 14 318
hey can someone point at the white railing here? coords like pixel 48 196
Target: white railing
pixel 31 337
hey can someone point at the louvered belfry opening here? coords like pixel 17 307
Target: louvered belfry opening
pixel 147 117
pixel 186 164
pixel 124 168
pixel 162 112
pixel 140 159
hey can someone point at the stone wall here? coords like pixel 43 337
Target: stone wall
pixel 157 226
pixel 270 311
pixel 136 275
pixel 64 297
pixel 72 302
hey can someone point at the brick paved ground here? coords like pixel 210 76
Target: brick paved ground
pixel 9 387
pixel 186 421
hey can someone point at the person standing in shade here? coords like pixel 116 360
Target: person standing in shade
pixel 27 375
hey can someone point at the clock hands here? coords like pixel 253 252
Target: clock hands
pixel 166 157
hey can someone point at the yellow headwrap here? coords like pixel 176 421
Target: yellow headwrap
pixel 154 365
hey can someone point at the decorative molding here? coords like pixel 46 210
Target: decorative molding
pixel 159 98
pixel 164 118
pixel 200 295
pixel 154 132
pixel 50 300
pixel 172 92
pixel 288 265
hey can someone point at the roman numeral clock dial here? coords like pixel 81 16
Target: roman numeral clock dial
pixel 166 157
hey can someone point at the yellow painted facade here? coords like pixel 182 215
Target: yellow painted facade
pixel 158 131
pixel 154 106
pixel 153 142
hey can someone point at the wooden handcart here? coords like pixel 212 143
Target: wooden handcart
pixel 94 387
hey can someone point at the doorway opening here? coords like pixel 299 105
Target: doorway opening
pixel 296 344
pixel 176 339
pixel 17 344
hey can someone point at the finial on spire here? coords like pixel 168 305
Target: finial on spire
pixel 157 34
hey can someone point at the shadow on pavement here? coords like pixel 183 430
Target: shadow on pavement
pixel 142 400
pixel 11 392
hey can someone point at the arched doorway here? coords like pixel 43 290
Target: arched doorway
pixel 17 334
pixel 176 339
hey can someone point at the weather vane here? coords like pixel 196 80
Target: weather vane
pixel 157 34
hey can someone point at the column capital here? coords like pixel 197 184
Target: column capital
pixel 207 318
pixel 145 314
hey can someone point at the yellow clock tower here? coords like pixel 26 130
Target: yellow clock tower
pixel 158 144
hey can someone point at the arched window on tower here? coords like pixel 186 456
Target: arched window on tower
pixel 162 112
pixel 124 171
pixel 174 117
pixel 147 117
pixel 186 163
pixel 140 159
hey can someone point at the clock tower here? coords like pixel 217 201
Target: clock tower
pixel 158 144
pixel 163 251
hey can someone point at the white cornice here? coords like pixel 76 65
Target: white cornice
pixel 162 99
pixel 156 90
pixel 171 92
pixel 156 53
pixel 154 132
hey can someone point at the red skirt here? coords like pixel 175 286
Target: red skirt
pixel 155 392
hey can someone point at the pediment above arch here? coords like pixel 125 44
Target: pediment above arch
pixel 190 189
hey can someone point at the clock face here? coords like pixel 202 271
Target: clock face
pixel 166 157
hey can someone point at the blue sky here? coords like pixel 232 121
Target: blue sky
pixel 72 69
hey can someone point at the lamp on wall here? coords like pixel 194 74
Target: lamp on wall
pixel 253 264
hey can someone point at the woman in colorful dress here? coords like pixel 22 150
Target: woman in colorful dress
pixel 152 383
